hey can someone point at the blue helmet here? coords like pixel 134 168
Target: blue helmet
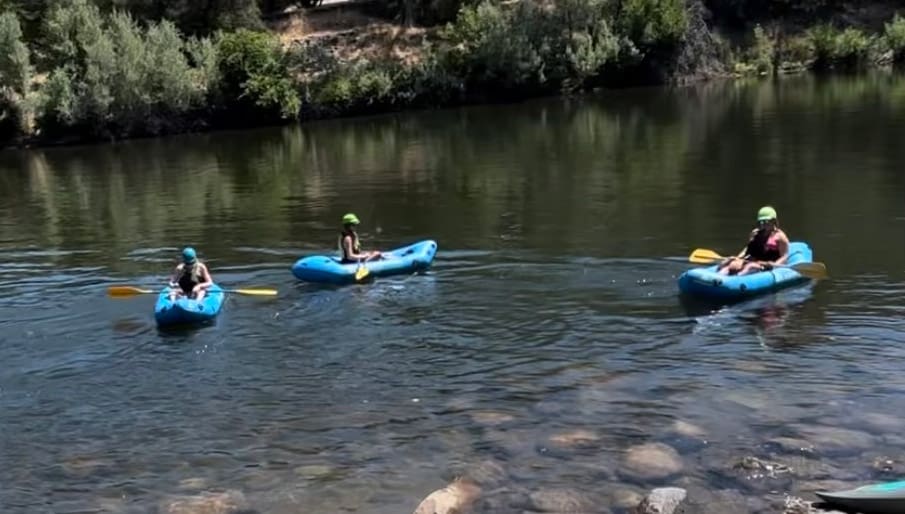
pixel 188 255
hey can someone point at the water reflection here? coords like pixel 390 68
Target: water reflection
pixel 544 344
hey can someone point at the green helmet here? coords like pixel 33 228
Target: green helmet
pixel 350 219
pixel 766 213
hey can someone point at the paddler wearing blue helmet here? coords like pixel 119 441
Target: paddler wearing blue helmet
pixel 350 245
pixel 191 277
pixel 767 246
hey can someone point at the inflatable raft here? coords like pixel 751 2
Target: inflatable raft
pixel 706 283
pixel 187 311
pixel 886 498
pixel 330 270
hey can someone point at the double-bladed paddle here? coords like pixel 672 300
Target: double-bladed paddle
pixel 127 291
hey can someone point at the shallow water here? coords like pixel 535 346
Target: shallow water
pixel 551 306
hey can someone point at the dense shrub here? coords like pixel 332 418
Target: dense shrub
pixel 15 78
pixel 531 46
pixel 253 74
pixel 846 49
pixel 760 57
pixel 895 38
pixel 653 24
pixel 113 77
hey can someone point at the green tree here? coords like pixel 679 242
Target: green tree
pixel 254 75
pixel 114 77
pixel 15 76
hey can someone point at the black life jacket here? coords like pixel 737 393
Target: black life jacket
pixel 763 246
pixel 190 277
pixel 356 245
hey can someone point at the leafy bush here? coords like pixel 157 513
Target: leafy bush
pixel 797 52
pixel 15 78
pixel 69 29
pixel 529 46
pixel 895 38
pixel 357 86
pixel 112 76
pixel 763 51
pixel 849 48
pixel 253 70
pixel 59 99
pixel 653 24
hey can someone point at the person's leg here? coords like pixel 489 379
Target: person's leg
pixel 732 267
pixel 751 267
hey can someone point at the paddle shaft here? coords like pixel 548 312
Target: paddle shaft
pixel 118 291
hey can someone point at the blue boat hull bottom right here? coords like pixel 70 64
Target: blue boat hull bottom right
pixel 885 498
pixel 706 283
pixel 330 270
pixel 184 311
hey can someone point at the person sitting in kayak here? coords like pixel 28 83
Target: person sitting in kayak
pixel 768 246
pixel 191 277
pixel 349 244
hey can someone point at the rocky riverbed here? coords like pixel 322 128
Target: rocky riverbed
pixel 779 476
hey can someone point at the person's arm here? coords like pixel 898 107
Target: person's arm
pixel 175 277
pixel 782 241
pixel 744 252
pixel 206 275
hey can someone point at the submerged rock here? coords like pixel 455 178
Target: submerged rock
pixel 882 423
pixel 573 438
pixel 759 468
pixel 313 471
pixel 794 505
pixel 789 445
pixel 487 474
pixel 623 498
pixel 652 461
pixel 563 501
pixel 228 502
pixel 503 501
pixel 456 498
pixel 835 439
pixel 686 429
pixel 665 500
pixel 490 418
pixel 196 483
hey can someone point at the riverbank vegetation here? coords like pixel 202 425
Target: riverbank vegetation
pixel 84 69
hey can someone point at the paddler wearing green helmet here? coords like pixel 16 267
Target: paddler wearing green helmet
pixel 768 246
pixel 350 245
pixel 191 277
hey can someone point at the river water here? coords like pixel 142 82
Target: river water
pixel 550 314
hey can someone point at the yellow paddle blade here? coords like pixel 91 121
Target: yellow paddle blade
pixel 704 256
pixel 361 273
pixel 814 270
pixel 255 292
pixel 126 291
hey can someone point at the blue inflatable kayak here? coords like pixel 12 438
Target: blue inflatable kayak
pixel 330 270
pixel 186 311
pixel 886 498
pixel 706 283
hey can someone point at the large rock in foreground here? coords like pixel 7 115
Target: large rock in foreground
pixel 229 502
pixel 665 500
pixel 456 498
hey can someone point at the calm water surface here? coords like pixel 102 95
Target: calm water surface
pixel 551 306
